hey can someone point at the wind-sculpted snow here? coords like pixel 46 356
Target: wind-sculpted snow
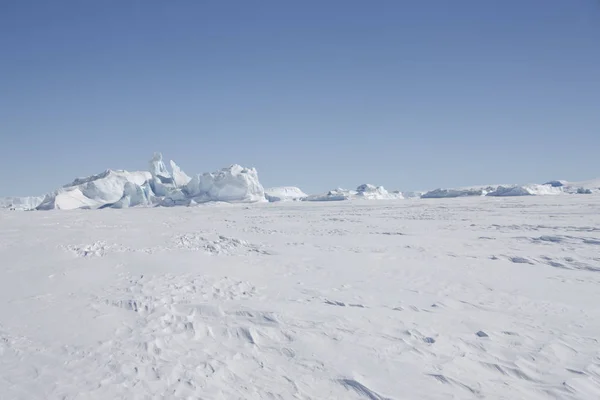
pixel 470 298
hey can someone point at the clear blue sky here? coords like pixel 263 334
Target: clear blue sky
pixel 318 94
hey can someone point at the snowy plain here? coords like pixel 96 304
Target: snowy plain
pixel 491 298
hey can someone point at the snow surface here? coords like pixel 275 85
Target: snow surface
pixel 470 298
pixel 284 193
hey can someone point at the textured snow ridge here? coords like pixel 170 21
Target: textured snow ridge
pixel 284 193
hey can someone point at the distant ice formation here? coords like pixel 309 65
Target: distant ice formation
pixel 160 186
pixel 284 193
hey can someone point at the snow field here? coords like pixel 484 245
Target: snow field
pixel 490 298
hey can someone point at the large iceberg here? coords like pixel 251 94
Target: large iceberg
pixel 158 186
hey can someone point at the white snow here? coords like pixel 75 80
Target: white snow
pixel 469 298
pixel 284 193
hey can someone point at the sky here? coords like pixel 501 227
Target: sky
pixel 411 95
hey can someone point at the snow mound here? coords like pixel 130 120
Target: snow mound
pixel 21 203
pixel 284 193
pixel 234 184
pixel 94 191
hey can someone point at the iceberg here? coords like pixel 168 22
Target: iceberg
pixel 234 184
pixel 284 193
